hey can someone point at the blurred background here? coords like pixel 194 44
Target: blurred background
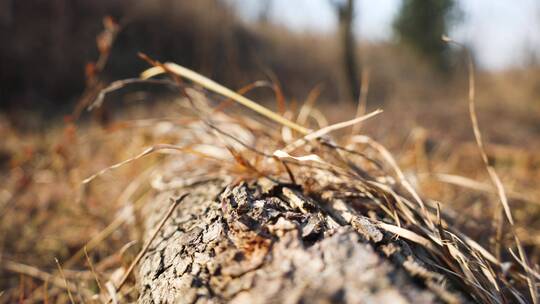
pixel 53 50
pixel 56 55
pixel 49 49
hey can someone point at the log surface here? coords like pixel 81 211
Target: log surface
pixel 267 243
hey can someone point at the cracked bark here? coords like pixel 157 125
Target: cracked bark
pixel 268 243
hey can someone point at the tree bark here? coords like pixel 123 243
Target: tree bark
pixel 265 242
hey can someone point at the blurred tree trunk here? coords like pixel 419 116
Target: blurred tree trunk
pixel 345 12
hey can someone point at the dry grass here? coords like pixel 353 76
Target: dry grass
pixel 45 209
pixel 432 191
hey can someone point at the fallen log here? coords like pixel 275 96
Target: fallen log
pixel 266 242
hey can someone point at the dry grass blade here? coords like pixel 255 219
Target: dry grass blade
pixel 122 83
pixel 92 269
pixel 406 234
pixel 486 254
pixel 112 292
pixel 242 91
pixel 307 107
pixel 532 271
pixel 311 157
pixel 146 152
pixel 116 223
pixel 404 209
pixel 65 280
pixel 478 135
pixel 391 161
pixel 341 125
pixel 491 171
pixel 323 131
pixel 466 182
pixel 217 88
pixel 36 273
pixel 362 100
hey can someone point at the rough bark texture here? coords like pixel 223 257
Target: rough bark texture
pixel 268 243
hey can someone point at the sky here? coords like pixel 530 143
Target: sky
pixel 501 32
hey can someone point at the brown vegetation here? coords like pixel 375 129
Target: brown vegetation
pixel 46 212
